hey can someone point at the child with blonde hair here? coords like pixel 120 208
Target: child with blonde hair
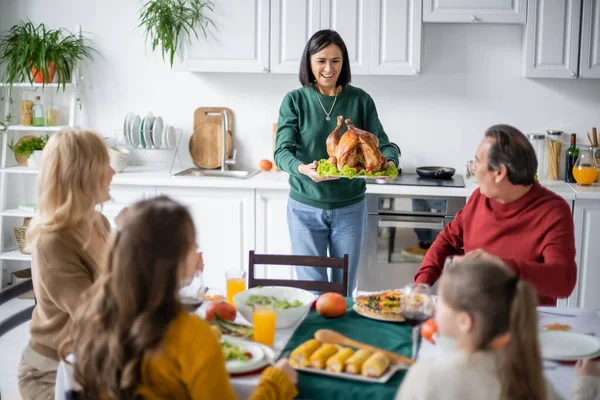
pixel 492 316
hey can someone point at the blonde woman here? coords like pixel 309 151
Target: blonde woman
pixel 68 239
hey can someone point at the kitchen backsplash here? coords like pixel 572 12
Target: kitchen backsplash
pixel 470 79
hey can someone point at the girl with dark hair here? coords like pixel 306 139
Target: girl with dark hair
pixel 325 214
pixel 492 316
pixel 132 338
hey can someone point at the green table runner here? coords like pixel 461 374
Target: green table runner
pixel 389 336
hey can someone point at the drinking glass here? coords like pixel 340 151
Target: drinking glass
pixel 263 322
pixel 236 282
pixel 448 262
pixel 417 304
pixel 191 294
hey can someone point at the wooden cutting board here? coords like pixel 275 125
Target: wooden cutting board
pixel 205 143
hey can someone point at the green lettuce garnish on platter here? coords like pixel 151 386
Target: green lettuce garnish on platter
pixel 326 169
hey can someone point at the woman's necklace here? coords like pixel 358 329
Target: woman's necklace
pixel 327 117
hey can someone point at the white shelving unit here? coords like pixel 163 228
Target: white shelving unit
pixel 11 258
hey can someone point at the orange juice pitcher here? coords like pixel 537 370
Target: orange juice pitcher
pixel 236 282
pixel 585 170
pixel 263 323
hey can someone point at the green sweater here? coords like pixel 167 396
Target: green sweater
pixel 301 135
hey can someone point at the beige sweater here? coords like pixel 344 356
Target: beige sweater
pixel 62 270
pixel 458 377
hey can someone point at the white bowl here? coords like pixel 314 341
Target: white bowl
pixel 118 158
pixel 283 318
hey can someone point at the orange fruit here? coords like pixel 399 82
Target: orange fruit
pixel 265 165
pixel 428 328
pixel 331 305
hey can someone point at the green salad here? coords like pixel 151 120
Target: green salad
pixel 324 168
pixel 266 300
pixel 234 352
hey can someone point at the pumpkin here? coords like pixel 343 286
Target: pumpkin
pixel 331 305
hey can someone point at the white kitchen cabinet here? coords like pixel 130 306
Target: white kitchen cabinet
pixel 587 237
pixel 224 220
pixel 122 196
pixel 293 22
pixel 551 40
pixel 484 11
pixel 272 235
pixel 238 43
pixel 383 37
pixel 395 37
pixel 351 19
pixel 589 64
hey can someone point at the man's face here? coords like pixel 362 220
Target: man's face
pixel 486 179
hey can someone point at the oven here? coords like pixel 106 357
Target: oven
pixel 399 231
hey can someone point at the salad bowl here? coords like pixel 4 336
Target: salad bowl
pixel 291 304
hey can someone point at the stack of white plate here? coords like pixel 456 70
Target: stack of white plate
pixel 148 133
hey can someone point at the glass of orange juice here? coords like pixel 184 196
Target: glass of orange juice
pixel 236 282
pixel 263 321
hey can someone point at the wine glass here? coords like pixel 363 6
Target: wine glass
pixel 417 304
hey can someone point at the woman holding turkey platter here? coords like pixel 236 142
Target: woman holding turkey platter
pixel 325 210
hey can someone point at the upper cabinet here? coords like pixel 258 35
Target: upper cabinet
pixel 395 37
pixel 239 43
pixel 293 22
pixel 383 37
pixel 554 44
pixel 483 11
pixel 589 64
pixel 552 39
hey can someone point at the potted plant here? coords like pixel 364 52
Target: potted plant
pixel 165 21
pixel 35 54
pixel 28 150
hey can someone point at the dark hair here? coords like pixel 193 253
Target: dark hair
pixel 512 149
pixel 316 43
pixel 501 305
pixel 126 313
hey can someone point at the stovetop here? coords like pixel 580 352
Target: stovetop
pixel 416 180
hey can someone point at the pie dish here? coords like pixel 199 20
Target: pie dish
pixel 383 306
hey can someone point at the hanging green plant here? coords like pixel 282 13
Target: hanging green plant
pixel 34 53
pixel 164 22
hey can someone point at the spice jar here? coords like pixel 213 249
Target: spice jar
pixel 26 112
pixel 538 141
pixel 554 147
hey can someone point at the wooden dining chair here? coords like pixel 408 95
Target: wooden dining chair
pixel 309 261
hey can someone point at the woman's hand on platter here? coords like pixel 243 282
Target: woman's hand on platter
pixel 285 366
pixel 310 170
pixel 387 178
pixel 587 367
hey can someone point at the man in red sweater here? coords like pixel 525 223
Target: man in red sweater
pixel 512 219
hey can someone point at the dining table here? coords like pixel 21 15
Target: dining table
pixel 561 375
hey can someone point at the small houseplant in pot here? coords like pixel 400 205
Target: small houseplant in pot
pixel 28 150
pixel 35 53
pixel 166 22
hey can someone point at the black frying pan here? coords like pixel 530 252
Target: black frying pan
pixel 436 172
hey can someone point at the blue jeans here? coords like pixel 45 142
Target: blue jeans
pixel 313 231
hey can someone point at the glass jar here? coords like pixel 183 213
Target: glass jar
pixel 52 115
pixel 554 148
pixel 585 170
pixel 26 112
pixel 538 141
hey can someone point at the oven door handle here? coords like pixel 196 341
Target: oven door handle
pixel 394 223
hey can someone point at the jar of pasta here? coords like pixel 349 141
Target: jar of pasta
pixel 26 112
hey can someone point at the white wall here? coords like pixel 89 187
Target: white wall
pixel 471 79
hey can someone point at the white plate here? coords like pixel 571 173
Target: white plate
pixel 147 134
pixel 157 131
pixel 358 377
pixel 126 126
pixel 141 134
pixel 567 346
pixel 170 137
pixel 257 361
pixel 134 132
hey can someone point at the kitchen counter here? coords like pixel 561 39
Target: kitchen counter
pixel 144 175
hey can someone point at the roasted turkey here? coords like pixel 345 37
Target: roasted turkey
pixel 356 148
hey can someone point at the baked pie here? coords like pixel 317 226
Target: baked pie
pixel 384 305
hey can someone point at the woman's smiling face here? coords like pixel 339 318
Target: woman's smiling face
pixel 326 66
